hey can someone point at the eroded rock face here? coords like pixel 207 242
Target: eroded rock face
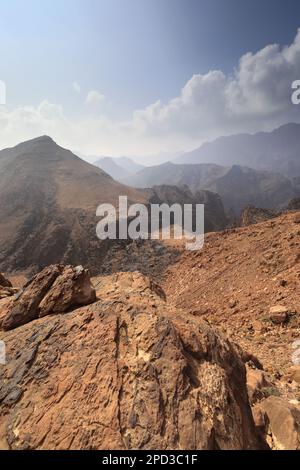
pixel 281 423
pixel 6 288
pixel 256 383
pixel 127 372
pixel 57 288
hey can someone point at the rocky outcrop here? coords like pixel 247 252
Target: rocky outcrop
pixel 279 314
pixel 6 288
pixel 4 282
pixel 56 289
pixel 257 382
pixel 127 372
pixel 280 423
pixel 254 215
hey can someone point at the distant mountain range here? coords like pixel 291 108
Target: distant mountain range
pixel 119 167
pixel 276 151
pixel 238 186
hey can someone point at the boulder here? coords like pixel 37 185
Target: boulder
pixel 256 382
pixel 279 314
pixel 56 289
pixel 129 372
pixel 293 374
pixel 282 428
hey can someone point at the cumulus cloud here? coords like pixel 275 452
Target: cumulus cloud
pixel 94 97
pixel 255 96
pixel 76 87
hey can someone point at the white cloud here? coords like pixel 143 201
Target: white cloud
pixel 256 96
pixel 94 97
pixel 76 87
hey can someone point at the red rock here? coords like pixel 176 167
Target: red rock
pixel 56 289
pixel 293 374
pixel 127 372
pixel 283 424
pixel 279 314
pixel 256 381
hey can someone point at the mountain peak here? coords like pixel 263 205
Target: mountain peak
pixel 40 140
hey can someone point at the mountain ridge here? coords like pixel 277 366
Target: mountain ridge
pixel 277 150
pixel 49 198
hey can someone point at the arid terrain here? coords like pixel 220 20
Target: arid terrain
pixel 149 231
pixel 169 360
pixel 49 198
pixel 142 344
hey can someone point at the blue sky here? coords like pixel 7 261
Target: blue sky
pixel 130 54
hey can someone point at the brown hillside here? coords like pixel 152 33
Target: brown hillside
pixel 49 198
pixel 237 277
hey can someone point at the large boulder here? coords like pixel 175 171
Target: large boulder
pixel 280 423
pixel 279 314
pixel 56 289
pixel 127 372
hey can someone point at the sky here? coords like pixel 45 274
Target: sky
pixel 140 77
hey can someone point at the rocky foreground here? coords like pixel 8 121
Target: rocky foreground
pixel 203 362
pixel 126 372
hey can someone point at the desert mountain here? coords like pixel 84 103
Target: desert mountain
pixel 119 167
pixel 49 198
pixel 241 186
pixel 48 201
pixel 276 151
pixel 238 186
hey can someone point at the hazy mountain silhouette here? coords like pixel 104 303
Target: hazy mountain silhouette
pixel 276 151
pixel 119 167
pixel 238 186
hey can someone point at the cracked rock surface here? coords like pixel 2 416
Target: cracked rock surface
pixel 126 372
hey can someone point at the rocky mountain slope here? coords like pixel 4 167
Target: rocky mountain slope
pixel 237 278
pixel 48 206
pixel 238 186
pixel 276 151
